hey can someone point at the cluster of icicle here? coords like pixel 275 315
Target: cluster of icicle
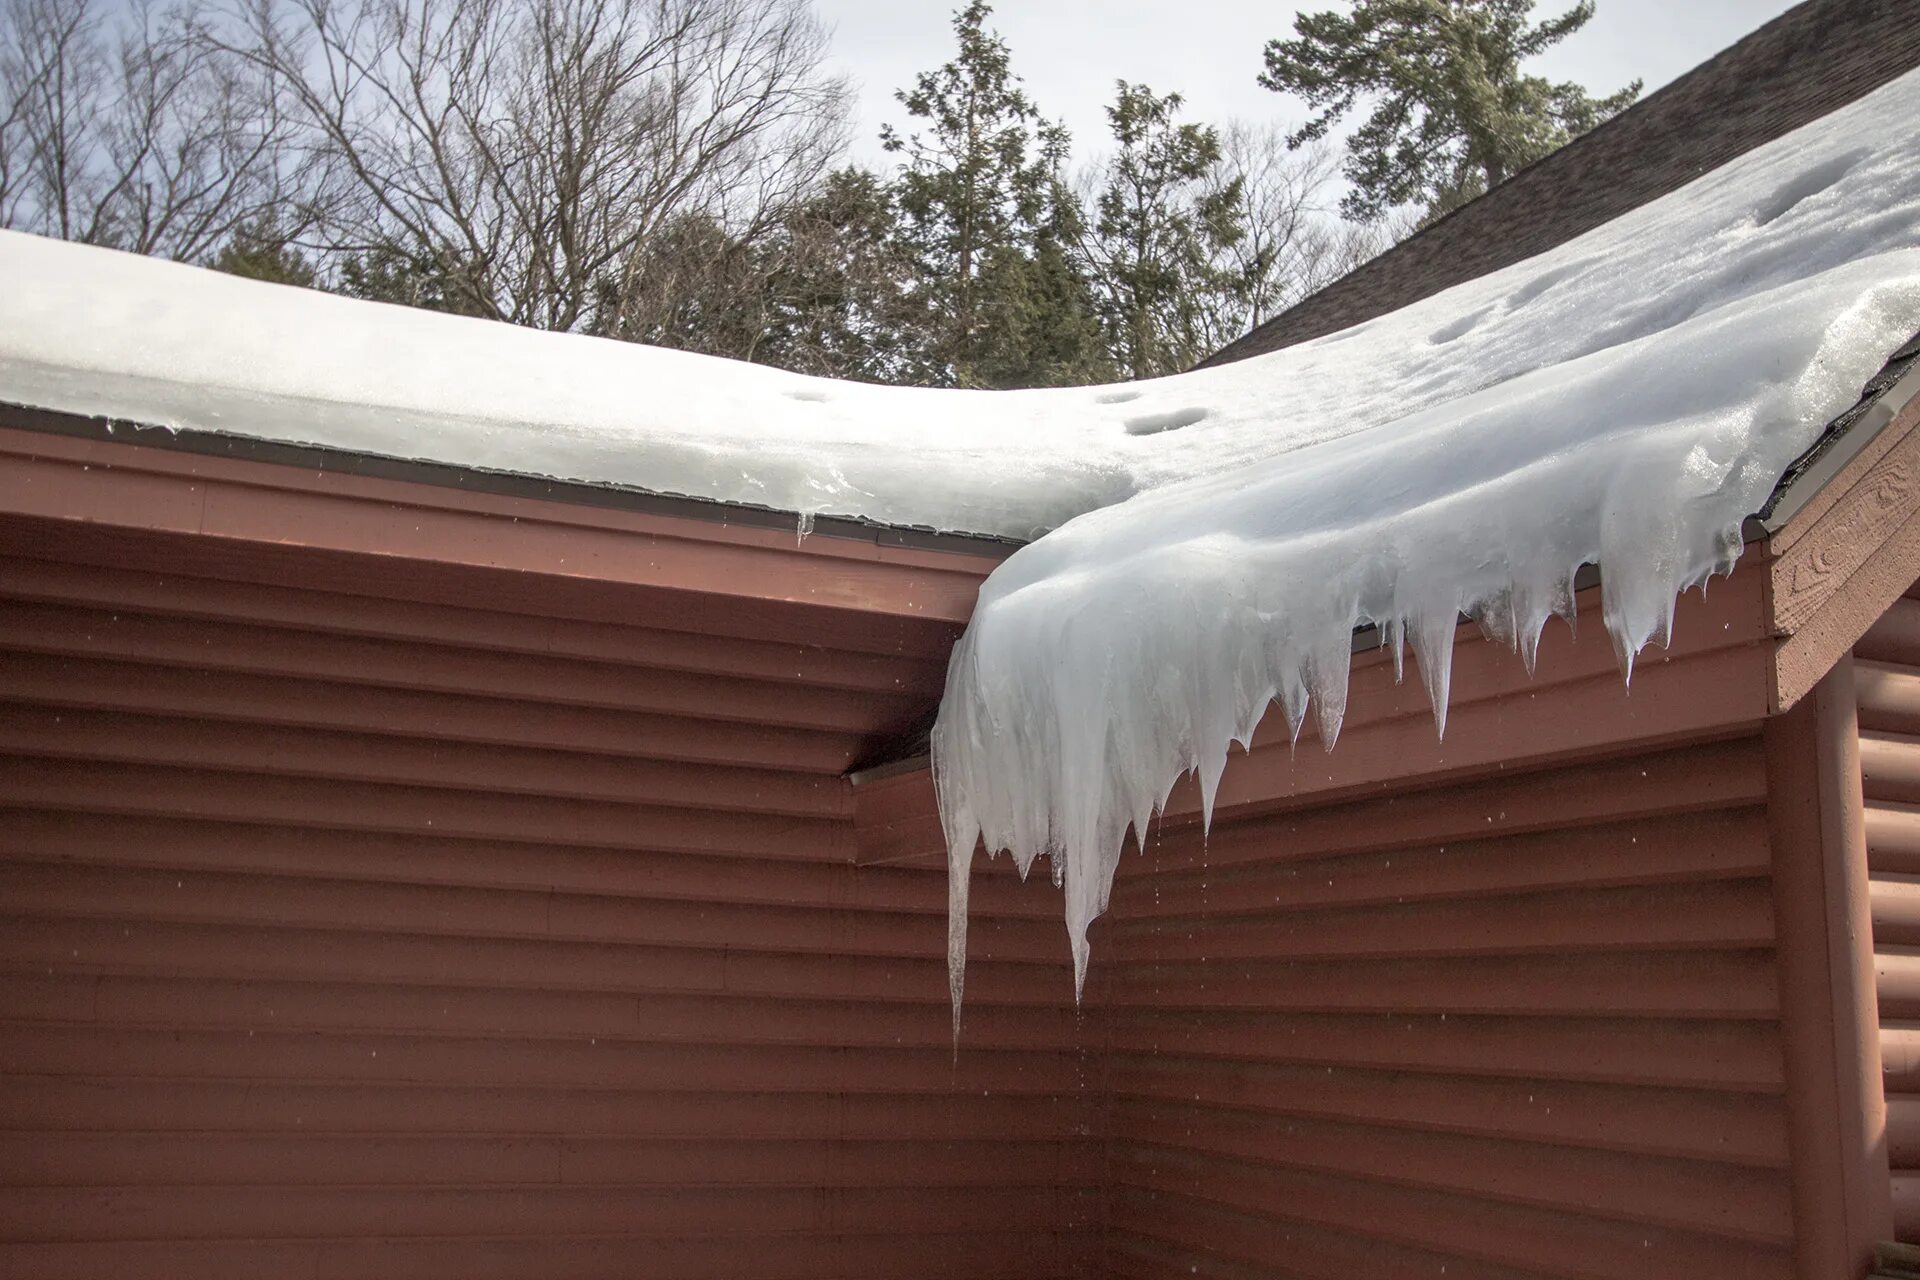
pixel 1624 401
pixel 1068 722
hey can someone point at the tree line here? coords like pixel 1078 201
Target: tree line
pixel 675 172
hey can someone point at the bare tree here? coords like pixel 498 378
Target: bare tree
pixel 119 127
pixel 1292 243
pixel 525 151
pixel 1284 238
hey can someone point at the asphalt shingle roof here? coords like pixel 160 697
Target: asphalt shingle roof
pixel 1811 60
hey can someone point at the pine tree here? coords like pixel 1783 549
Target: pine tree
pixel 982 210
pixel 262 250
pixel 837 282
pixel 821 289
pixel 1162 227
pixel 1455 115
pixel 389 273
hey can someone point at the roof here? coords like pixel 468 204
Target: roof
pixel 244 368
pixel 1811 60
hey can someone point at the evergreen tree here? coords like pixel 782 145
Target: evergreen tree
pixel 389 273
pixel 261 250
pixel 983 210
pixel 692 286
pixel 1456 116
pixel 1164 222
pixel 838 283
pixel 822 289
pixel 1042 326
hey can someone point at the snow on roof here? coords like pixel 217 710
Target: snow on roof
pixel 1625 399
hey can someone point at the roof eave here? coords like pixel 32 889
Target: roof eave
pixel 1842 536
pixel 1843 440
pixel 153 484
pixel 511 484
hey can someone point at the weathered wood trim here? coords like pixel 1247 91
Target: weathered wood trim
pixel 1847 555
pixel 1829 1013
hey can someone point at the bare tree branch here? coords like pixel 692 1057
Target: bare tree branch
pixel 526 151
pixel 120 127
pixel 1293 244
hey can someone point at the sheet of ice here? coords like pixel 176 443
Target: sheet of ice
pixel 1625 400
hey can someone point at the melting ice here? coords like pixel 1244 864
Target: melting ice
pixel 1625 400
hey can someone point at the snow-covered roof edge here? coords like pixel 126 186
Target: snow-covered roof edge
pixel 1625 399
pixel 467 478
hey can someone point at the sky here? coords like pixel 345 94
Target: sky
pixel 1069 52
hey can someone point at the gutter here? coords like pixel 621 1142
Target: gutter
pixel 511 484
pixel 1890 391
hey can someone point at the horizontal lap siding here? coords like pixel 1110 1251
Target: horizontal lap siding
pixel 1493 1041
pixel 347 935
pixel 1887 684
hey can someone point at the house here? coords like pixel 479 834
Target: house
pixel 417 866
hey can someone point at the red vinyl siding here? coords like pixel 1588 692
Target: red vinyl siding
pixel 1887 678
pixel 1502 1048
pixel 407 883
pixel 1506 1005
pixel 372 927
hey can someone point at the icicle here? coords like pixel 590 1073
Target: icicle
pixel 960 824
pixel 1081 954
pixel 1533 608
pixel 1433 646
pixel 1663 626
pixel 1256 711
pixel 1139 834
pixel 959 877
pixel 1125 649
pixel 1292 697
pixel 1084 902
pixel 1495 617
pixel 1327 674
pixel 1208 775
pixel 1566 601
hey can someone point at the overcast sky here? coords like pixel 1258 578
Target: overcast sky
pixel 1070 52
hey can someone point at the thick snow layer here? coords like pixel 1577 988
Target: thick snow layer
pixel 1625 400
